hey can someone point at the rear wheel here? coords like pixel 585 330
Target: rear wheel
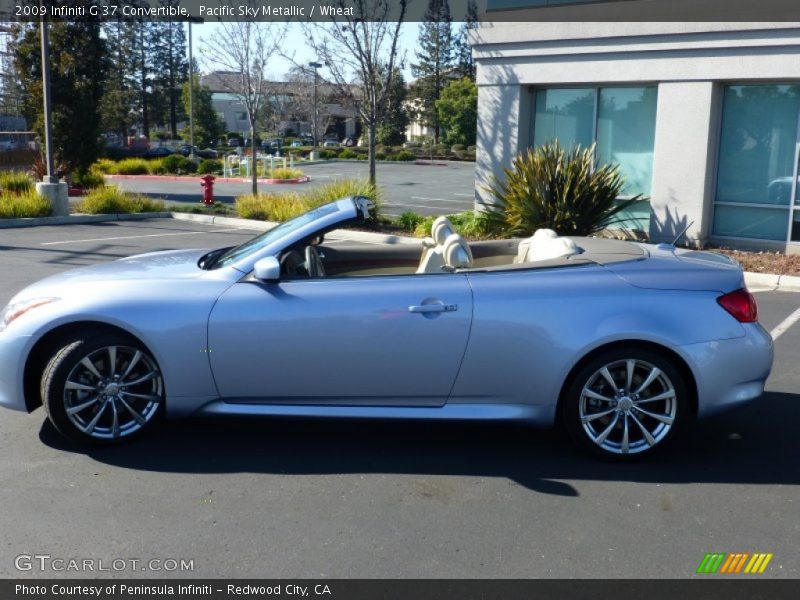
pixel 102 389
pixel 625 403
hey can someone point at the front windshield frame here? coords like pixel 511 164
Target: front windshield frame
pixel 289 232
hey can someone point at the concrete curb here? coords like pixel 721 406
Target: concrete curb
pixel 79 219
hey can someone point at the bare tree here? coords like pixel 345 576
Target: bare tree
pixel 243 50
pixel 300 84
pixel 362 53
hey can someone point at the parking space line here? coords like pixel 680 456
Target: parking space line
pixel 402 206
pixel 437 199
pixel 785 324
pixel 133 237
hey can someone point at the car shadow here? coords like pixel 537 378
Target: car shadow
pixel 757 444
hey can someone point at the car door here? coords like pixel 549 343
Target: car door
pixel 385 340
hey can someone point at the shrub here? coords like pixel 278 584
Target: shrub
pixel 218 208
pixel 405 156
pixel 187 165
pixel 456 148
pixel 471 149
pixel 156 167
pixel 327 154
pixel 173 163
pixel 342 188
pixel 16 182
pixel 285 173
pixel 24 204
pixel 469 224
pixel 112 200
pixel 361 157
pixel 280 207
pixel 409 220
pixel 347 153
pixel 209 165
pixel 271 207
pixel 89 180
pixel 380 156
pixel 105 166
pixel 553 188
pixel 132 166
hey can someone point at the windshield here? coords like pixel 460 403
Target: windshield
pixel 266 238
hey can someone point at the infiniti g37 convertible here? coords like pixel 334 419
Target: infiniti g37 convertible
pixel 621 343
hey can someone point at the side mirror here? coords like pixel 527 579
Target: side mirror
pixel 268 270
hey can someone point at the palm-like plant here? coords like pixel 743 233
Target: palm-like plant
pixel 553 188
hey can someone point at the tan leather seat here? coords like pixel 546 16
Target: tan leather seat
pixel 432 259
pixel 457 253
pixel 545 244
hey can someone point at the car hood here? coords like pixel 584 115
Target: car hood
pixel 171 264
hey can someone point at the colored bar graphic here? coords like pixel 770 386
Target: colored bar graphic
pixel 722 562
pixel 711 563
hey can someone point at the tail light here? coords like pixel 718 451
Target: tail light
pixel 741 305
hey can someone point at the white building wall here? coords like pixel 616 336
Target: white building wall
pixel 690 62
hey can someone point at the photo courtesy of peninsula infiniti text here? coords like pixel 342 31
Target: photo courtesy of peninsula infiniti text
pixel 622 344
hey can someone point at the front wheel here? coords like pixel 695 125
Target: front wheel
pixel 625 403
pixel 102 389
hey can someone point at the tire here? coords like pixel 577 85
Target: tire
pixel 102 389
pixel 653 408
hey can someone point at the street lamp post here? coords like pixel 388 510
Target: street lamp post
pixel 315 66
pixel 50 187
pixel 48 130
pixel 191 96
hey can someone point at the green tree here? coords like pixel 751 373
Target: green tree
pixel 170 70
pixel 458 112
pixel 120 102
pixel 435 61
pixel 78 66
pixel 207 124
pixel 392 132
pixel 465 67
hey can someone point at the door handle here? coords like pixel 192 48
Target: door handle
pixel 432 308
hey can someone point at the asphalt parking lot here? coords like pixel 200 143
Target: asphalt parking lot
pixel 442 188
pixel 264 498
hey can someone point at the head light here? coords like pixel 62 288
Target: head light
pixel 14 310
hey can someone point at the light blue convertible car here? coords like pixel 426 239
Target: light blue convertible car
pixel 621 343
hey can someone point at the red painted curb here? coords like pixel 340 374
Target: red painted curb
pixel 198 180
pixel 303 179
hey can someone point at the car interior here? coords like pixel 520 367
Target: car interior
pixel 445 251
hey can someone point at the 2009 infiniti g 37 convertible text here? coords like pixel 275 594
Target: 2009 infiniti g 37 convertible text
pixel 622 343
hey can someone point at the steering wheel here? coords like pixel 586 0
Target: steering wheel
pixel 314 264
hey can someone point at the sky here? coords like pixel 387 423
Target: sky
pixel 295 45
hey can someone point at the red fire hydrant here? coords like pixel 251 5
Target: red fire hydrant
pixel 208 189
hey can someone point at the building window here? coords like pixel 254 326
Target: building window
pixel 620 120
pixel 757 166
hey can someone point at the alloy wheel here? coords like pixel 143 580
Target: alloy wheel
pixel 628 406
pixel 113 392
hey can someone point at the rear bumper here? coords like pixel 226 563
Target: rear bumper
pixel 730 372
pixel 12 353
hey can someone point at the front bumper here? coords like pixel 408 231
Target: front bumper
pixel 730 372
pixel 13 350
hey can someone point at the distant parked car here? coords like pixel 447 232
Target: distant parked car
pixel 234 142
pixel 297 144
pixel 330 144
pixel 349 142
pixel 412 145
pixel 205 153
pixel 158 152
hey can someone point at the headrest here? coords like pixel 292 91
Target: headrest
pixel 457 253
pixel 441 229
pixel 545 245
